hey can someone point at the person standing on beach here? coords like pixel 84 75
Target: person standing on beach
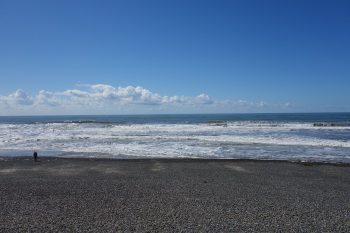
pixel 35 156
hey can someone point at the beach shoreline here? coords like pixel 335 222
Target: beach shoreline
pixel 172 195
pixel 169 159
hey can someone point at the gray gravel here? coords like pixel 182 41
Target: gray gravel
pixel 86 195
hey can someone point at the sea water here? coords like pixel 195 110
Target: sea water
pixel 322 137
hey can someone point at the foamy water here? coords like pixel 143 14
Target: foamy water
pixel 224 139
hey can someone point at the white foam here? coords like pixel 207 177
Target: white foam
pixel 176 140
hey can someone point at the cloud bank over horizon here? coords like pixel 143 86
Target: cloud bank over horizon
pixel 106 99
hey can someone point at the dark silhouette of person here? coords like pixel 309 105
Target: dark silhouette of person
pixel 35 156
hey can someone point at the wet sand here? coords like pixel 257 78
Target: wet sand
pixel 89 195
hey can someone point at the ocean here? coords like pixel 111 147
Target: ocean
pixel 319 137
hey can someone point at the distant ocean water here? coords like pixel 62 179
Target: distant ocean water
pixel 323 137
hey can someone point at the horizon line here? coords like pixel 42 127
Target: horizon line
pixel 166 114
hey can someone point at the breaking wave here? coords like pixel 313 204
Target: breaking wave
pixel 212 139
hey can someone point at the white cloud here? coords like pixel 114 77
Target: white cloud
pixel 17 98
pixel 47 98
pixel 102 98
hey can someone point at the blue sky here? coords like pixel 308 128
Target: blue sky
pixel 239 56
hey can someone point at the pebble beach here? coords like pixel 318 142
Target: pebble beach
pixel 172 195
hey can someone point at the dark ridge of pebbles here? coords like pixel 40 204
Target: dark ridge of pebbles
pixel 89 195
